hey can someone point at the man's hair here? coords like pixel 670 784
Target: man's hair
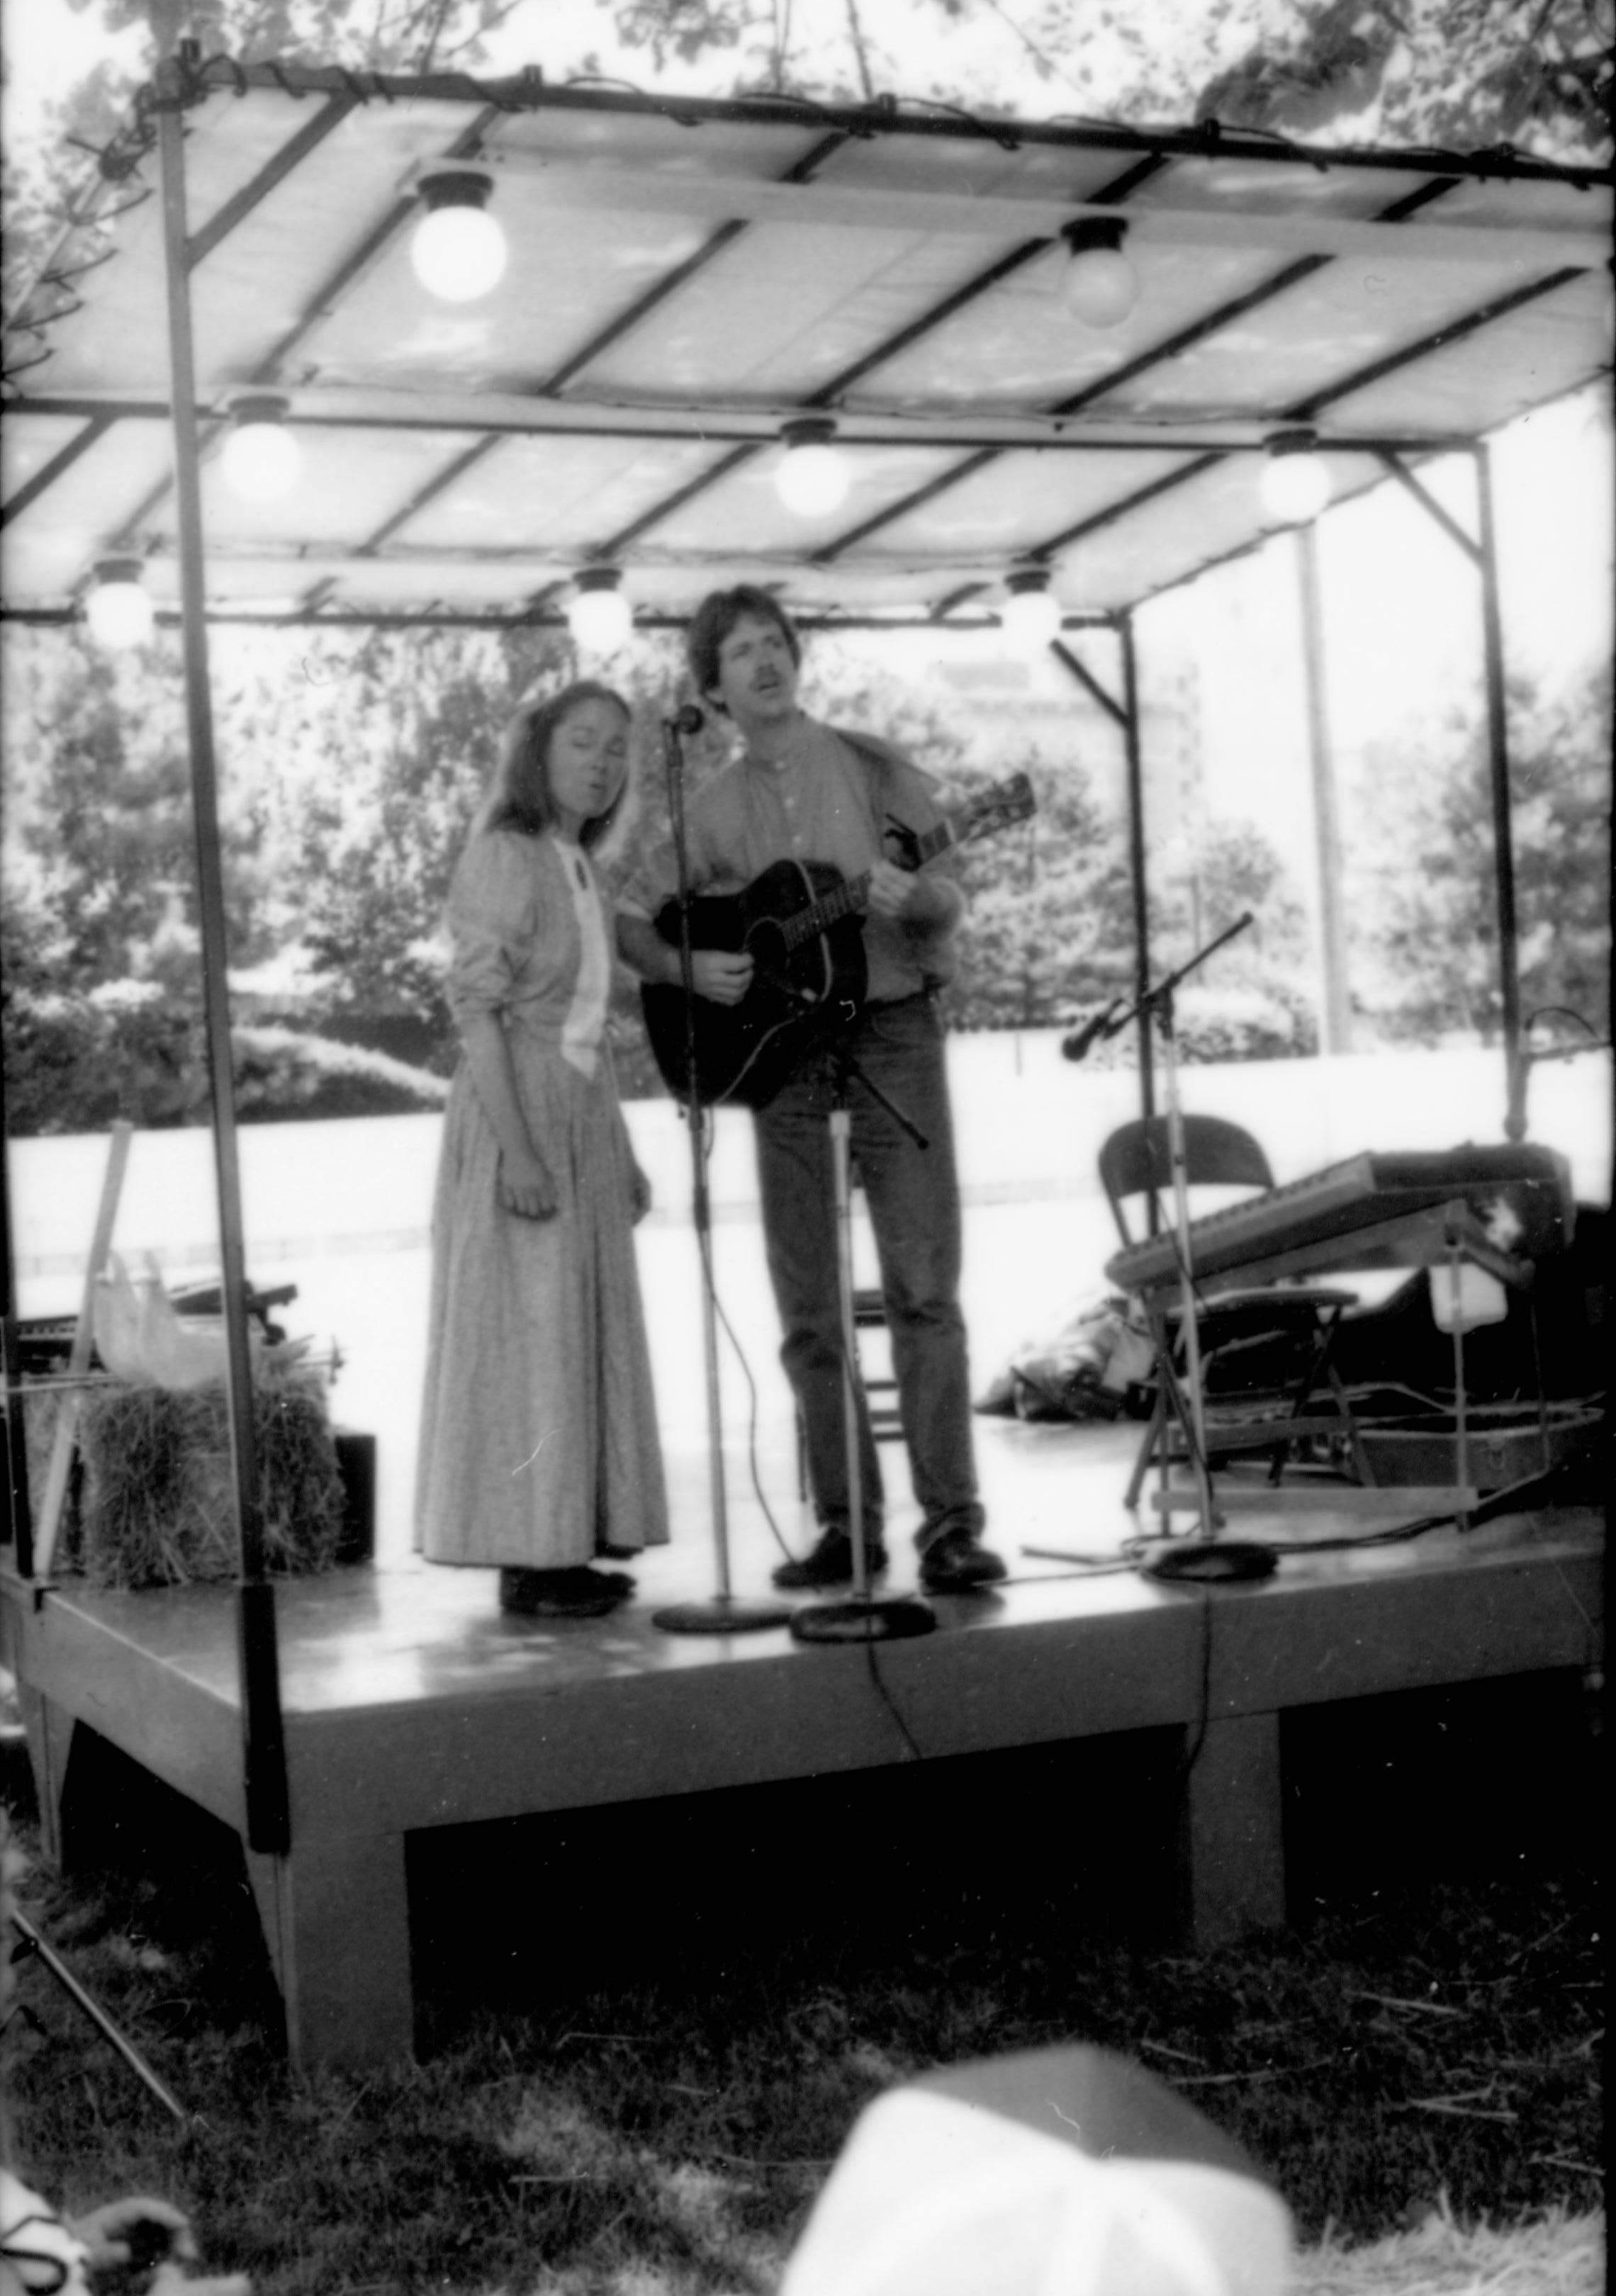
pixel 716 616
pixel 519 795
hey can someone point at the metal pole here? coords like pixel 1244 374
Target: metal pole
pixel 1336 1012
pixel 724 1614
pixel 264 1749
pixel 33 1943
pixel 19 1517
pixel 841 1183
pixel 1497 748
pixel 1136 861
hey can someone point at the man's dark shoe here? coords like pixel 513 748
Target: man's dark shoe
pixel 830 1564
pixel 956 1563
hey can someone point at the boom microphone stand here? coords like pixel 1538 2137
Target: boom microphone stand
pixel 862 1616
pixel 1210 1559
pixel 724 1614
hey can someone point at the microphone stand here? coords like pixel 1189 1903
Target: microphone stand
pixel 1158 1000
pixel 722 1614
pixel 862 1616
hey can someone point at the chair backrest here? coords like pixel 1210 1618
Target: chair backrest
pixel 1136 1161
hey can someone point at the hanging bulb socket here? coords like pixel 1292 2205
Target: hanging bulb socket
pixel 1295 481
pixel 812 480
pixel 117 605
pixel 598 615
pixel 261 459
pixel 459 251
pixel 1101 286
pixel 1031 617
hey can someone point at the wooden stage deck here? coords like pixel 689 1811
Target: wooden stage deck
pixel 411 1702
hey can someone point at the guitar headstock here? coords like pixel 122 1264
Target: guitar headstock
pixel 999 807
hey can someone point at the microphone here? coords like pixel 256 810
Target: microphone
pixel 687 720
pixel 1076 1043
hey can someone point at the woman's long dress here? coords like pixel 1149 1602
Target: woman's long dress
pixel 538 1433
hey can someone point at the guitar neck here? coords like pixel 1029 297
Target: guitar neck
pixel 851 898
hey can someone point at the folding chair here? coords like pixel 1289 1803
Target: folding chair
pixel 1280 1336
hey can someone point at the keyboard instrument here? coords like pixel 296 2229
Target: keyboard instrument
pixel 1512 1203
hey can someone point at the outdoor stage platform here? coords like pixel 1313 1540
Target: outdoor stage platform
pixel 411 1702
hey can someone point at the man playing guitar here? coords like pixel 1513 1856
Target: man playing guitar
pixel 806 792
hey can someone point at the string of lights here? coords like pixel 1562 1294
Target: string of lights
pixel 459 254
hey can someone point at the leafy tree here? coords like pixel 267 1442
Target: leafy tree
pixel 1461 75
pixel 99 818
pixel 1427 878
pixel 103 983
pixel 1050 922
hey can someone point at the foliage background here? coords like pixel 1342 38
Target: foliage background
pixel 350 767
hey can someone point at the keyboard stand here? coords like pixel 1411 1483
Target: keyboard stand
pixel 1436 1235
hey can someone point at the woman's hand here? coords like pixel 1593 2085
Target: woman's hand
pixel 639 1194
pixel 526 1187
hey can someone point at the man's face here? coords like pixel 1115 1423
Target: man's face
pixel 757 676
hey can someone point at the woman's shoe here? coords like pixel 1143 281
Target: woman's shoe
pixel 579 1593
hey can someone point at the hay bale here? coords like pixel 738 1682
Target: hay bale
pixel 158 1507
pixel 1558 2254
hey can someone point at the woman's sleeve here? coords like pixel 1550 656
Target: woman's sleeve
pixel 494 918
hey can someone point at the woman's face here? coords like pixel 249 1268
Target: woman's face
pixel 586 764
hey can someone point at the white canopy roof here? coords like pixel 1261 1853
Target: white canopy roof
pixel 686 276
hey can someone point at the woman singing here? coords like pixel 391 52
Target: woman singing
pixel 539 1436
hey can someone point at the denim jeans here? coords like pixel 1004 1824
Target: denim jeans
pixel 913 1197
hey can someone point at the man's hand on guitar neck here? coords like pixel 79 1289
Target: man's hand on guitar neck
pixel 912 899
pixel 892 890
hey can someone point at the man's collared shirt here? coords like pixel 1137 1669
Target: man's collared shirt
pixel 822 801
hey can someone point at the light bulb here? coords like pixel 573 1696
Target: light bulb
pixel 261 459
pixel 812 477
pixel 1030 617
pixel 1101 286
pixel 812 480
pixel 118 607
pixel 1294 485
pixel 459 251
pixel 599 620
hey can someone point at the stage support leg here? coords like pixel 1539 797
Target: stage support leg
pixel 1232 1850
pixel 49 1729
pixel 336 1920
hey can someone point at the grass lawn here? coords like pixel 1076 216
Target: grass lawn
pixel 646 2033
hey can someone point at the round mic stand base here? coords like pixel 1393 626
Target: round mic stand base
pixel 864 1619
pixel 721 1614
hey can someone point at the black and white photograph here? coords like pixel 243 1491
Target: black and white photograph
pixel 805 966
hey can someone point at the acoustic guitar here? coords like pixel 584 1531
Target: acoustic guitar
pixel 798 922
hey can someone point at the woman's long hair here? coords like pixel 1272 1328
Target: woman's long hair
pixel 519 795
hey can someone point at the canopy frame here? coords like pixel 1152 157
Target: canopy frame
pixel 1556 256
